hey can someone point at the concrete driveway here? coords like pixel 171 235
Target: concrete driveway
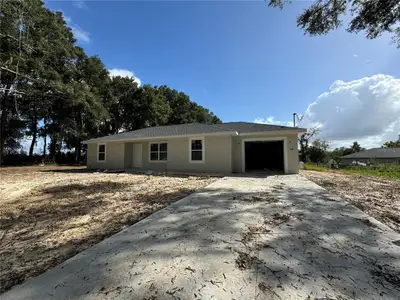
pixel 281 237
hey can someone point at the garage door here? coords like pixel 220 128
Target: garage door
pixel 264 155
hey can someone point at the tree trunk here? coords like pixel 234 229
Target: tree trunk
pixel 77 152
pixel 3 121
pixel 44 146
pixel 59 154
pixel 52 149
pixel 34 134
pixel 44 138
pixel 34 129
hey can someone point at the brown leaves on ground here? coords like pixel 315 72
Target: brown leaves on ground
pixel 48 214
pixel 252 233
pixel 255 197
pixel 244 260
pixel 377 197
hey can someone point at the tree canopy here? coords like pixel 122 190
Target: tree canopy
pixel 50 88
pixel 392 144
pixel 318 151
pixel 374 17
pixel 342 151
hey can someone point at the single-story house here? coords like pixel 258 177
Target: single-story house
pixel 211 148
pixel 375 155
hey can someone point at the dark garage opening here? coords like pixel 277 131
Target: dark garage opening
pixel 264 155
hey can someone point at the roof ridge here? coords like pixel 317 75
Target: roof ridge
pixel 261 124
pixel 197 128
pixel 169 125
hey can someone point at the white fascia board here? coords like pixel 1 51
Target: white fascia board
pixel 161 137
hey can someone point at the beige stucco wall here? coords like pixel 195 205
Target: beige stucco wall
pixel 223 154
pixel 293 154
pixel 291 148
pixel 120 155
pixel 115 152
pixel 217 156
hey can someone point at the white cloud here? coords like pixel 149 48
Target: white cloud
pixel 66 18
pixel 80 4
pixel 271 120
pixel 125 73
pixel 80 34
pixel 366 110
pixel 355 55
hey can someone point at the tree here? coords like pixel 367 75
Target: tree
pixel 35 45
pixel 118 98
pixel 11 53
pixel 392 144
pixel 321 144
pixel 337 153
pixel 86 109
pixel 356 147
pixel 304 143
pixel 372 16
pixel 317 152
pixel 50 88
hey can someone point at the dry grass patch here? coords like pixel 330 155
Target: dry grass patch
pixel 49 214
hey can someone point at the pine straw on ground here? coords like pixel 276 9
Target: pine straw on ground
pixel 48 214
pixel 378 197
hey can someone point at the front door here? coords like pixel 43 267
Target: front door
pixel 137 155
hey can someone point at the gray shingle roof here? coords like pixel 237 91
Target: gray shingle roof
pixel 191 129
pixel 247 127
pixel 376 153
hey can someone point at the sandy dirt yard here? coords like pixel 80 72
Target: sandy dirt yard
pixel 380 198
pixel 266 238
pixel 48 214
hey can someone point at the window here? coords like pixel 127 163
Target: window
pixel 158 152
pixel 196 149
pixel 101 152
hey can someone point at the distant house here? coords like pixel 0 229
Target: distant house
pixel 210 148
pixel 375 155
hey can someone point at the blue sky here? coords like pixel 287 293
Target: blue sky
pixel 241 59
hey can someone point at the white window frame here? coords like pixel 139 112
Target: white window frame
pixel 98 152
pixel 157 143
pixel 203 149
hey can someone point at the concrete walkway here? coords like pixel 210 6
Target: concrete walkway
pixel 281 237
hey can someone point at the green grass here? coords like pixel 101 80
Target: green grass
pixel 384 170
pixel 313 167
